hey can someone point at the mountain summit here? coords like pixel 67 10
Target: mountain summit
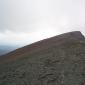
pixel 53 61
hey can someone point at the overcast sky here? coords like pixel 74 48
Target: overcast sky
pixel 26 21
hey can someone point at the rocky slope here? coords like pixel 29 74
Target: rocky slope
pixel 59 60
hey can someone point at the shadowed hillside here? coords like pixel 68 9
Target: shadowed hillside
pixel 59 60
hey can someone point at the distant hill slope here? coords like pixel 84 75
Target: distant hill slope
pixel 4 49
pixel 54 61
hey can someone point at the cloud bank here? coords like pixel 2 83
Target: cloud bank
pixel 27 21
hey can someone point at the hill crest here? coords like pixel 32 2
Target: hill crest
pixel 43 44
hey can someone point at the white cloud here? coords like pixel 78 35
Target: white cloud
pixel 20 39
pixel 27 21
pixel 28 15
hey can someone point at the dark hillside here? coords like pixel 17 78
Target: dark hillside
pixel 59 60
pixel 57 40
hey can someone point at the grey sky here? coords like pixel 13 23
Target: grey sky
pixel 27 21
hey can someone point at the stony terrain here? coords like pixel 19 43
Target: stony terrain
pixel 59 60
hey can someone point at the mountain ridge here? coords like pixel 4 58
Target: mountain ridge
pixel 59 39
